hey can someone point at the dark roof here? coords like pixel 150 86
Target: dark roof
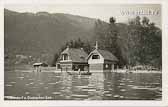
pixel 105 54
pixel 76 55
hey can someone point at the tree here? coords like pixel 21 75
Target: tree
pixel 107 36
pixel 56 56
pixel 145 21
pixel 112 20
pixel 137 20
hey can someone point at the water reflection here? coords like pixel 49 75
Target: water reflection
pixel 98 86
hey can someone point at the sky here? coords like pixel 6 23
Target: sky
pixel 122 12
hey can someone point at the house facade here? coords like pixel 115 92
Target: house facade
pixel 101 60
pixel 72 59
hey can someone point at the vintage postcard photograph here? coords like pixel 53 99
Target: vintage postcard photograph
pixel 76 52
pixel 83 52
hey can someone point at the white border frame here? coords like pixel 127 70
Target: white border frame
pixel 103 103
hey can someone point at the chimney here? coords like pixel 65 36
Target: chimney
pixel 96 45
pixel 67 47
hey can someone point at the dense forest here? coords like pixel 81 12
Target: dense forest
pixel 43 36
pixel 141 44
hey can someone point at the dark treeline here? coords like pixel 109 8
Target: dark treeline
pixel 144 43
pixel 138 43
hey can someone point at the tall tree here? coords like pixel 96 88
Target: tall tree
pixel 144 43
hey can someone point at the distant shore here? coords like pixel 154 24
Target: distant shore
pixel 29 68
pixel 136 71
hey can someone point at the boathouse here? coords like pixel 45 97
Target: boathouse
pixel 101 60
pixel 72 59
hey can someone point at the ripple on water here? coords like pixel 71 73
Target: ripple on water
pixel 41 83
pixel 8 85
pixel 20 77
pixel 31 83
pixel 131 81
pixel 58 76
pixel 110 89
pixel 121 96
pixel 116 96
pixel 144 88
pixel 12 82
pixel 56 93
pixel 92 90
pixel 79 95
pixel 45 87
pixel 34 87
pixel 27 84
pixel 88 88
pixel 84 89
pixel 81 87
pixel 127 79
pixel 123 90
pixel 105 92
pixel 52 83
pixel 121 84
pixel 108 95
pixel 68 97
pixel 130 85
pixel 27 93
pixel 91 85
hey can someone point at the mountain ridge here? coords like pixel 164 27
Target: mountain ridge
pixel 60 27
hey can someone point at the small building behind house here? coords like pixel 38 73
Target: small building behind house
pixel 72 59
pixel 37 66
pixel 101 60
pixel 40 64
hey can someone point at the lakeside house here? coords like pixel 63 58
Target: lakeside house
pixel 101 60
pixel 72 59
pixel 75 59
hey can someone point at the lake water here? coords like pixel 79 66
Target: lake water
pixel 98 86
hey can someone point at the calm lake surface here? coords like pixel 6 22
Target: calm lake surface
pixel 98 86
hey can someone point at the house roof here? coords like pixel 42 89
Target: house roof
pixel 76 55
pixel 39 64
pixel 36 64
pixel 105 54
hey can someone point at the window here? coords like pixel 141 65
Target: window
pixel 95 57
pixel 65 57
pixel 106 66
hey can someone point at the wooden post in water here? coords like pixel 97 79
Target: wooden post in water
pixel 40 68
pixel 66 69
pixel 112 67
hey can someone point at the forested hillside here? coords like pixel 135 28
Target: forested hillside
pixel 44 35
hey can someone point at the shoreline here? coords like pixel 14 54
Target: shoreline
pixel 29 68
pixel 93 71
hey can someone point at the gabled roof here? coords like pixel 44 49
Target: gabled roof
pixel 105 54
pixel 76 55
